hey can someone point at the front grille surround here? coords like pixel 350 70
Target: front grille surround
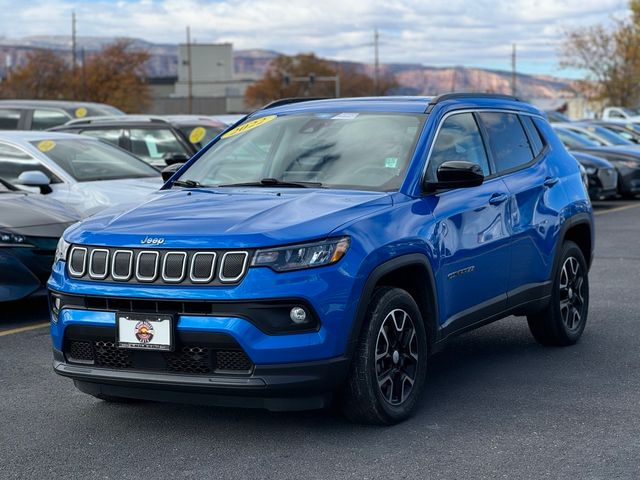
pixel 158 266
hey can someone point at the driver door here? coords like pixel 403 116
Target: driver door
pixel 471 238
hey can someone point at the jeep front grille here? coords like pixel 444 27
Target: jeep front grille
pixel 150 266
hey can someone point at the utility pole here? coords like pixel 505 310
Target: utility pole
pixel 84 74
pixel 453 79
pixel 73 49
pixel 73 39
pixel 376 62
pixel 513 70
pixel 189 72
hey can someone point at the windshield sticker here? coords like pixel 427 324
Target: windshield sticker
pixel 81 112
pixel 345 116
pixel 197 134
pixel 391 162
pixel 245 127
pixel 46 145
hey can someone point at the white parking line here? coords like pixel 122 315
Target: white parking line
pixel 28 328
pixel 618 209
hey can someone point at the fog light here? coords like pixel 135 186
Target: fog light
pixel 298 315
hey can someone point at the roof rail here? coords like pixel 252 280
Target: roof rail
pixel 290 100
pixel 463 95
pixel 111 118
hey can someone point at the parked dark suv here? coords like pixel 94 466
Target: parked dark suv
pixel 45 114
pixel 153 139
pixel 324 249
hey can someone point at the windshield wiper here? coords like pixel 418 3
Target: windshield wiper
pixel 274 182
pixel 187 183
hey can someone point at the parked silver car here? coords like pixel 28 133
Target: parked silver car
pixel 84 173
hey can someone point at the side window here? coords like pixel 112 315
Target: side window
pixel 458 139
pixel 110 135
pixel 13 162
pixel 44 119
pixel 615 114
pixel 509 143
pixel 154 144
pixel 537 141
pixel 9 118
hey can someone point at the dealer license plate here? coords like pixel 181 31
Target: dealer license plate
pixel 144 331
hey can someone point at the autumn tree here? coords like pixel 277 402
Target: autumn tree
pixel 610 56
pixel 45 75
pixel 281 80
pixel 116 76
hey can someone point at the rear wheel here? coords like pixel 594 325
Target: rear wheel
pixel 565 318
pixel 390 362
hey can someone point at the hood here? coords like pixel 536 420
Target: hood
pixel 32 214
pixel 229 218
pixel 106 193
pixel 589 160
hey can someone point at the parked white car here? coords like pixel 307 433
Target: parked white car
pixel 84 173
pixel 621 114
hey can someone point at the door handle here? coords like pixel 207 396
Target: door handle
pixel 551 181
pixel 498 198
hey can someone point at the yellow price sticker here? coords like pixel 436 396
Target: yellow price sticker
pixel 245 127
pixel 46 145
pixel 197 134
pixel 81 112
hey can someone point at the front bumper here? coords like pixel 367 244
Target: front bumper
pixel 294 386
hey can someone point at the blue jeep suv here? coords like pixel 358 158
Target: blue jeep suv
pixel 323 250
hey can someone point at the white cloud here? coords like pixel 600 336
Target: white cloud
pixel 438 32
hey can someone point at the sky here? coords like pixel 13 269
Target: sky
pixel 470 33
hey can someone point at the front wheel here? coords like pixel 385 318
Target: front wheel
pixel 390 361
pixel 565 318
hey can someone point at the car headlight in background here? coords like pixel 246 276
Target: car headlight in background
pixel 61 250
pixel 590 170
pixel 8 239
pixel 305 255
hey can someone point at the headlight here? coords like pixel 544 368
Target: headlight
pixel 590 170
pixel 61 250
pixel 8 239
pixel 305 255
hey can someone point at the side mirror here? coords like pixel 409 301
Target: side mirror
pixel 168 172
pixel 35 178
pixel 173 158
pixel 456 174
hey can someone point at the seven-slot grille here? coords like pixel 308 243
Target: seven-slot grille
pixel 138 265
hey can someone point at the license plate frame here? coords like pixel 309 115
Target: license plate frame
pixel 133 334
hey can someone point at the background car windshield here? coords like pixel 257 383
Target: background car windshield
pixel 611 137
pixel 91 160
pixel 572 139
pixel 368 151
pixel 200 135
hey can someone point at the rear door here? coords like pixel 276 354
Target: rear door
pixel 471 235
pixel 520 154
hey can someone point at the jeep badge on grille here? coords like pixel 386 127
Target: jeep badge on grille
pixel 152 240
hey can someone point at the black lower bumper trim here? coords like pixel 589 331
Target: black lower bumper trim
pixel 299 386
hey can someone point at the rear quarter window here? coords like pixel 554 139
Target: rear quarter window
pixel 508 141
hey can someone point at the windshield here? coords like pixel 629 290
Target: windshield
pixel 573 140
pixel 631 112
pixel 369 151
pixel 199 136
pixel 90 160
pixel 608 136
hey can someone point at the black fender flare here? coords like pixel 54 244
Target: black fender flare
pixel 396 263
pixel 581 218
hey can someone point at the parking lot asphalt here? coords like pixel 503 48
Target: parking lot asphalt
pixel 496 405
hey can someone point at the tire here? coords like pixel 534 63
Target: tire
pixel 390 361
pixel 562 322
